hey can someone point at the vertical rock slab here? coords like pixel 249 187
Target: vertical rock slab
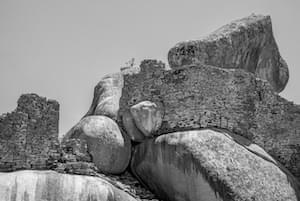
pixel 29 134
pixel 208 165
pixel 246 44
pixel 107 94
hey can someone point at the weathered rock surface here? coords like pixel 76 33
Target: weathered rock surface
pixel 29 134
pixel 107 94
pixel 110 150
pixel 209 165
pixel 147 117
pixel 132 131
pixel 205 96
pixel 246 44
pixel 52 186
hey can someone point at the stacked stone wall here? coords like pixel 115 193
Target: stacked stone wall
pixel 203 96
pixel 29 134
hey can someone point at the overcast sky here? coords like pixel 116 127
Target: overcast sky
pixel 61 48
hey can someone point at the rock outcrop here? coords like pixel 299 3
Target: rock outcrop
pixel 29 134
pixel 209 165
pixel 246 44
pixel 36 120
pixel 109 149
pixel 51 186
pixel 212 127
pixel 205 96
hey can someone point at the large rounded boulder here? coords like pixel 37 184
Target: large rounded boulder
pixel 132 131
pixel 109 148
pixel 52 186
pixel 147 116
pixel 210 165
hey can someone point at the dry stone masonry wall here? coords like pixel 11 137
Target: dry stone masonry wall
pixel 29 134
pixel 204 96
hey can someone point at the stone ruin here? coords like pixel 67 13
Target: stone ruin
pixel 212 127
pixel 29 134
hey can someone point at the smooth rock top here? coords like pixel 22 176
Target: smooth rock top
pixel 52 186
pixel 247 44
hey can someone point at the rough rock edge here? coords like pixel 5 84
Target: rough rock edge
pixel 196 51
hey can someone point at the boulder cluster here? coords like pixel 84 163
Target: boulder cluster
pixel 211 127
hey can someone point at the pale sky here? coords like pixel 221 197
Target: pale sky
pixel 61 48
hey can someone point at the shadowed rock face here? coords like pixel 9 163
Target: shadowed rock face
pixel 29 134
pixel 52 186
pixel 208 165
pixel 246 44
pixel 204 96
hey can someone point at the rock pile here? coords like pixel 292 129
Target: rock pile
pixel 212 127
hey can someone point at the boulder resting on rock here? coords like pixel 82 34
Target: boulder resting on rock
pixel 209 165
pixel 147 117
pixel 247 43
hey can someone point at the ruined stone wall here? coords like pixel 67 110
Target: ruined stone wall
pixel 204 96
pixel 29 134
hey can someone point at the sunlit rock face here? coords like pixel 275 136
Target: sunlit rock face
pixel 246 44
pixel 29 134
pixel 51 186
pixel 209 165
pixel 109 148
